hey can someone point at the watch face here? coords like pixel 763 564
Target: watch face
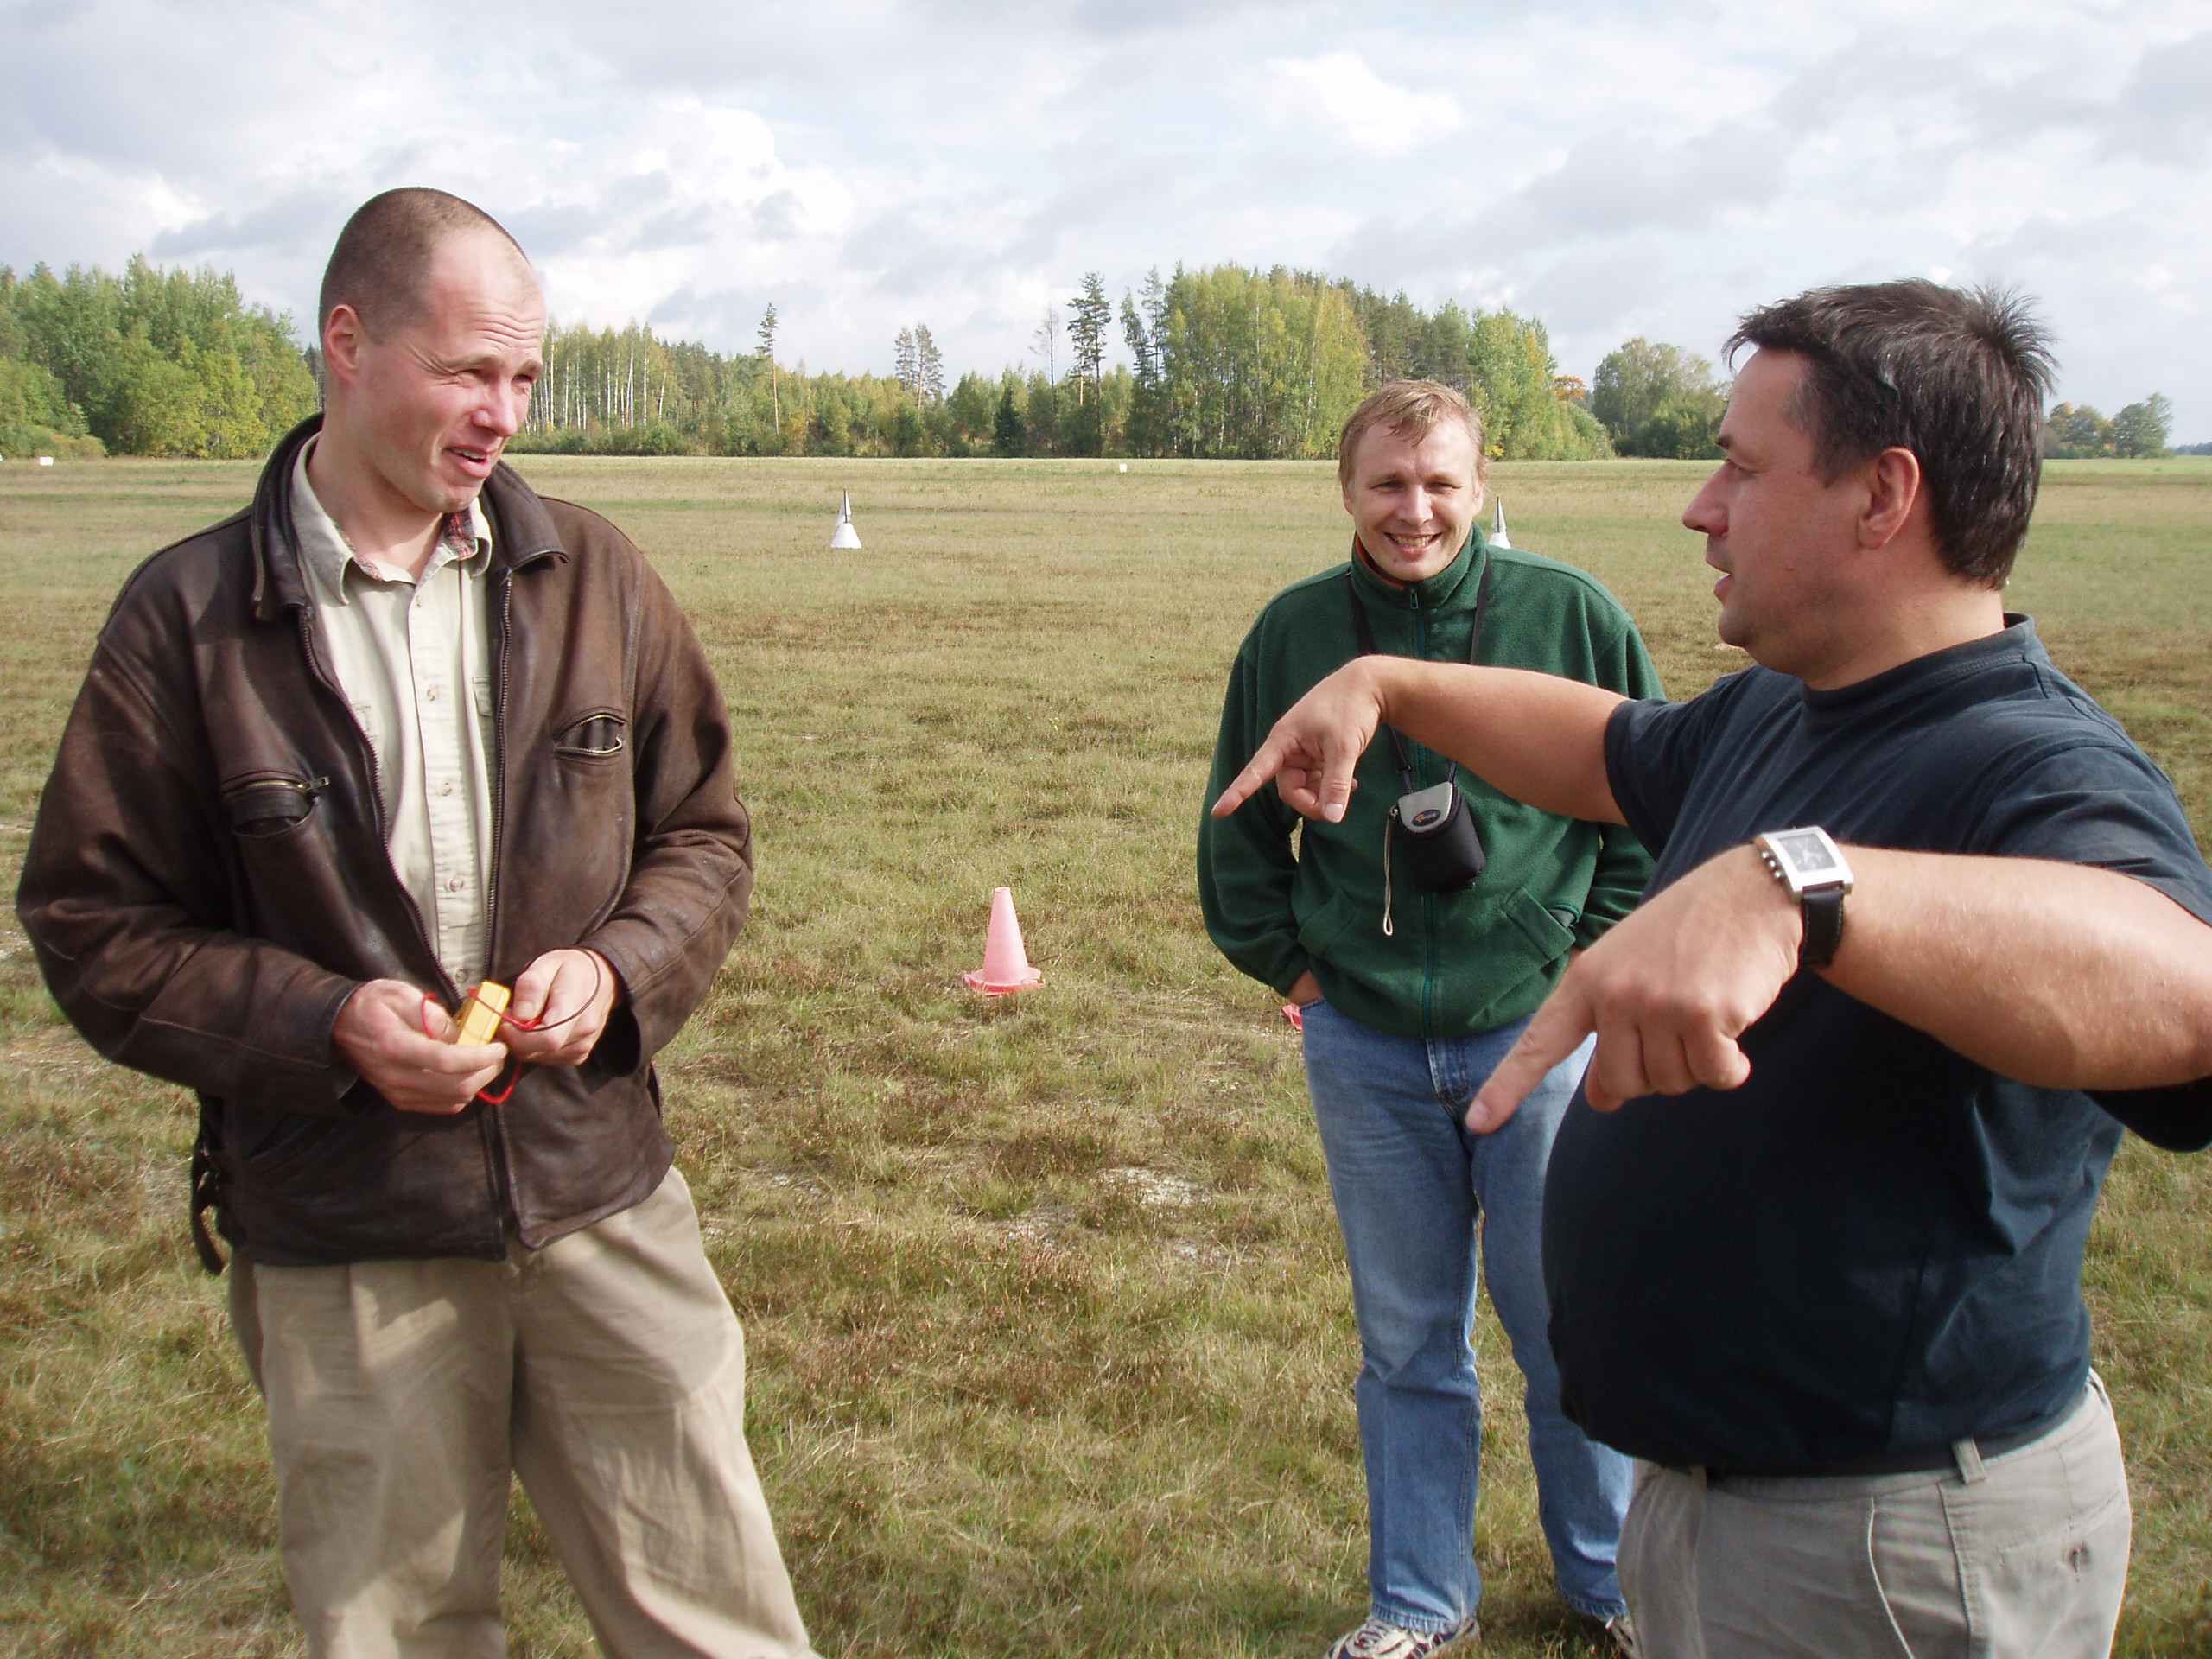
pixel 1809 855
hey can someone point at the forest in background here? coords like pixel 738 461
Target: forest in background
pixel 1224 362
pixel 151 362
pixel 1229 362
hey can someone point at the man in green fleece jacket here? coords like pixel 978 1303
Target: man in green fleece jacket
pixel 1410 998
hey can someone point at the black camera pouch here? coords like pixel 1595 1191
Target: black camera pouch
pixel 1431 831
pixel 1435 835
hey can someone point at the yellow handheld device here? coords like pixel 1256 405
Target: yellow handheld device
pixel 480 1021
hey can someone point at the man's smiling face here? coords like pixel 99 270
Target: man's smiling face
pixel 440 395
pixel 1413 500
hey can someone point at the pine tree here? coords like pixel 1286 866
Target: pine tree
pixel 1010 433
pixel 1140 342
pixel 1146 332
pixel 1090 314
pixel 903 368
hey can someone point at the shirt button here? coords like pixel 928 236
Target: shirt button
pixel 452 884
pixel 446 788
pixel 431 694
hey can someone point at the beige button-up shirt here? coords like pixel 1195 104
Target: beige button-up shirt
pixel 414 659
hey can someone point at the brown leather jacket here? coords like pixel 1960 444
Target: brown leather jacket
pixel 207 881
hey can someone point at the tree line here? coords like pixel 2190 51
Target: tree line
pixel 1227 362
pixel 1659 400
pixel 2077 432
pixel 151 362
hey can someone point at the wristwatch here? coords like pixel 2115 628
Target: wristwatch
pixel 1812 867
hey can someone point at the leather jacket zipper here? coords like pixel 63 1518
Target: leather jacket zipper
pixel 497 1152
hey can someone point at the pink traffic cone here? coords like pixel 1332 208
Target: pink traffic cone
pixel 1006 966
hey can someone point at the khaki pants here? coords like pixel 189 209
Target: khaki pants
pixel 2023 1554
pixel 607 1371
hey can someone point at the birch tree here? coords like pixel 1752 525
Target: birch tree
pixel 929 366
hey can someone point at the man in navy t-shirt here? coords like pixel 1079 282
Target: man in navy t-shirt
pixel 1926 931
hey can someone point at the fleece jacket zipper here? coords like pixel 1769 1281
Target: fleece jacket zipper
pixel 1427 900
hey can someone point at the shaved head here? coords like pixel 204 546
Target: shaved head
pixel 381 266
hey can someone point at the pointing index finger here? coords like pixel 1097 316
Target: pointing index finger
pixel 1556 1031
pixel 1261 766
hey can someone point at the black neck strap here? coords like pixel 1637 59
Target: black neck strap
pixel 1367 649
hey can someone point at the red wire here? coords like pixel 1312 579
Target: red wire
pixel 535 1023
pixel 514 1076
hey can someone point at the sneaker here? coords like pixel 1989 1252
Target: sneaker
pixel 1620 1630
pixel 1378 1640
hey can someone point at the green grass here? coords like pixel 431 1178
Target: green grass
pixel 1008 1396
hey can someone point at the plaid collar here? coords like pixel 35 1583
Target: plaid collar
pixel 466 534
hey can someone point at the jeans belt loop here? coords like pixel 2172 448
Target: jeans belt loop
pixel 1969 1457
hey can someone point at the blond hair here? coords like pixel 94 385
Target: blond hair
pixel 1410 408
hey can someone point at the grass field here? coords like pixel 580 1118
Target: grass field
pixel 1050 1338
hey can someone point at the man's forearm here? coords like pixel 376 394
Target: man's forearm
pixel 2056 974
pixel 2060 976
pixel 1535 737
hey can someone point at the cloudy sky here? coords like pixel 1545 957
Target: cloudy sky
pixel 1614 167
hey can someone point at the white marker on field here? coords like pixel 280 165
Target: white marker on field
pixel 845 535
pixel 1498 536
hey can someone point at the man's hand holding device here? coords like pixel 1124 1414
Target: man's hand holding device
pixel 380 1034
pixel 417 1057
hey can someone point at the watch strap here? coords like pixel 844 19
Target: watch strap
pixel 1822 908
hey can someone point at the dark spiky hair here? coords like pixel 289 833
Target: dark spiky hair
pixel 1958 377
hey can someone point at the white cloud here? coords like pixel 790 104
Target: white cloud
pixel 1616 168
pixel 1336 100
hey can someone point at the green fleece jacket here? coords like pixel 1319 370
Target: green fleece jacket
pixel 1280 898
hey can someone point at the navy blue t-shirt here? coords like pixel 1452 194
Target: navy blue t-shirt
pixel 1874 1243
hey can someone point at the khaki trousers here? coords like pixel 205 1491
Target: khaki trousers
pixel 2022 1554
pixel 605 1370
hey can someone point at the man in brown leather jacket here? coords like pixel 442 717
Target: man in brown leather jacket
pixel 399 727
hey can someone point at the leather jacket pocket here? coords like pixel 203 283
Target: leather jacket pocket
pixel 599 736
pixel 263 805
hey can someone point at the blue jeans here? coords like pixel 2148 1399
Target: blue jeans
pixel 1410 1183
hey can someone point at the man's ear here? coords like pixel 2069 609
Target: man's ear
pixel 343 336
pixel 1893 492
